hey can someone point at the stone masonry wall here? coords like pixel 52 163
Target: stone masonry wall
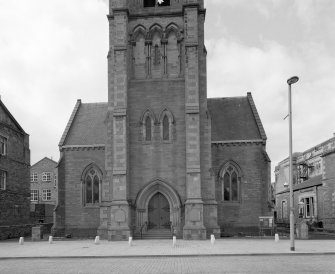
pixel 80 221
pixel 253 203
pixel 14 200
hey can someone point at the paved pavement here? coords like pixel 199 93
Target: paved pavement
pixel 162 248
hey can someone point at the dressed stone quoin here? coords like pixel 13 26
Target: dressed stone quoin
pixel 159 158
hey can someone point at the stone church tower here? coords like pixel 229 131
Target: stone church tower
pixel 160 157
pixel 158 142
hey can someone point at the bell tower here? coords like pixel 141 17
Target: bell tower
pixel 157 122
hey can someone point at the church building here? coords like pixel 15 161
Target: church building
pixel 160 157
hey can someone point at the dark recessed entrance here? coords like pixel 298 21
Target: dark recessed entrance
pixel 159 212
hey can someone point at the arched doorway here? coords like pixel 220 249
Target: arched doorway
pixel 158 212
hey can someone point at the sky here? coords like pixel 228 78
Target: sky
pixel 55 52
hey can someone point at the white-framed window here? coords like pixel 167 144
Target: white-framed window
pixel 3 179
pixel 308 207
pixel 34 195
pixel 33 177
pixel 46 195
pixel 3 145
pixel 46 176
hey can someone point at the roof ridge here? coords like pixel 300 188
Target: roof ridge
pixel 12 117
pixel 69 124
pixel 256 115
pixel 45 157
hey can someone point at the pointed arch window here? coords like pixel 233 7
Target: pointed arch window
pixel 148 129
pixel 92 186
pixel 166 121
pixel 166 128
pixel 230 178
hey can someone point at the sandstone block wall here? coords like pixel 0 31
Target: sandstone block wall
pixel 253 190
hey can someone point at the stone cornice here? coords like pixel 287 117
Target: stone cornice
pixel 82 147
pixel 238 142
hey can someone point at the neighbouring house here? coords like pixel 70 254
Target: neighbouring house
pixel 313 186
pixel 14 177
pixel 43 190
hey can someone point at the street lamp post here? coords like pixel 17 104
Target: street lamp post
pixel 291 81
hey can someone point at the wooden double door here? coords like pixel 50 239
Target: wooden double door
pixel 159 212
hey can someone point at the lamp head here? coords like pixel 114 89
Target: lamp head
pixel 293 80
pixel 285 184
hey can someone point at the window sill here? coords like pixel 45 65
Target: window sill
pixel 230 203
pixel 92 206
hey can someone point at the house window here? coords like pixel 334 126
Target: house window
pixel 3 145
pixel 284 210
pixel 92 187
pixel 148 129
pixel 166 128
pixel 3 179
pixel 34 195
pixel 55 180
pixel 46 195
pixel 230 183
pixel 33 177
pixel 308 207
pixel 46 176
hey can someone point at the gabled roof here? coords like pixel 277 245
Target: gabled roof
pixel 86 125
pixel 45 159
pixel 11 117
pixel 235 118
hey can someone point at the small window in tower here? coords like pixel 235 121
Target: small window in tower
pixel 166 128
pixel 149 3
pixel 148 129
pixel 157 56
pixel 162 3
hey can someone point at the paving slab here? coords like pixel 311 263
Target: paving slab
pixel 164 248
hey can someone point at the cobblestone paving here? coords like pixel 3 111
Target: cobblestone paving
pixel 217 264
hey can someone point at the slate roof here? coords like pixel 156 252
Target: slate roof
pixel 235 118
pixel 86 125
pixel 45 159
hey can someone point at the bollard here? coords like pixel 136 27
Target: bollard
pixel 212 239
pixel 21 241
pixel 276 238
pixel 174 241
pixel 130 242
pixel 97 240
pixel 50 240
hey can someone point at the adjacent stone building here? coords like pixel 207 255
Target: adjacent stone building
pixel 14 176
pixel 313 186
pixel 43 190
pixel 159 156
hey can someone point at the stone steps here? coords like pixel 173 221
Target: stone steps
pixel 155 234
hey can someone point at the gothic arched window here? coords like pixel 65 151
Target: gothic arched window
pixel 92 183
pixel 166 121
pixel 148 129
pixel 147 124
pixel 166 128
pixel 230 178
